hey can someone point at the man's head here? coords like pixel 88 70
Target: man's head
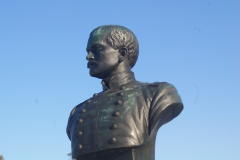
pixel 108 47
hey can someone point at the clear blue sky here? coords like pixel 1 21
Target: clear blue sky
pixel 195 45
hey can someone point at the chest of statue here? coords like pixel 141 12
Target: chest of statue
pixel 115 118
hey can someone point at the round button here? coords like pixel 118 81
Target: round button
pixel 116 114
pixel 120 94
pixel 114 126
pixel 113 140
pixel 88 101
pixel 95 95
pixel 122 87
pixel 80 121
pixel 79 133
pixel 80 147
pixel 118 102
pixel 83 110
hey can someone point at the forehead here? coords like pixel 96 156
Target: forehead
pixel 98 37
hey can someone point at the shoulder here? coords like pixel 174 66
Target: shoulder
pixel 165 90
pixel 147 84
pixel 152 88
pixel 166 104
pixel 157 85
pixel 74 110
pixel 70 122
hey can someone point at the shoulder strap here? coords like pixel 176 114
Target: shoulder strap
pixel 76 108
pixel 160 84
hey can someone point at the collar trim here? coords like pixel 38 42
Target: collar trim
pixel 119 79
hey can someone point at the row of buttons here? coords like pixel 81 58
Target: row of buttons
pixel 116 114
pixel 80 121
pixel 113 126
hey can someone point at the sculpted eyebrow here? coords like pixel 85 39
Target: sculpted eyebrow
pixel 97 46
pixel 94 46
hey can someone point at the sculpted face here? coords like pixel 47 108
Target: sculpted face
pixel 103 59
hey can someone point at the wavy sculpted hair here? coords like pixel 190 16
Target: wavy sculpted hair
pixel 119 36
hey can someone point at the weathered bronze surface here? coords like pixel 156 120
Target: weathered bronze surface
pixel 121 122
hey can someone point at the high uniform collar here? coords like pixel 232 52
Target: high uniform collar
pixel 119 79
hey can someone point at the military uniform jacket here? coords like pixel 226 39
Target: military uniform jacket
pixel 128 114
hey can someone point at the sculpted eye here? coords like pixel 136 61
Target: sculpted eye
pixel 98 49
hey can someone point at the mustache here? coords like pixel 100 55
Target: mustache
pixel 91 63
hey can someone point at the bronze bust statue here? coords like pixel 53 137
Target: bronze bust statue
pixel 121 122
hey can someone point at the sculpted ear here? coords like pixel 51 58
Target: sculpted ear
pixel 123 54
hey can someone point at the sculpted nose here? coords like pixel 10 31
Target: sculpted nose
pixel 90 56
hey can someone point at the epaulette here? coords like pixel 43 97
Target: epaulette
pixel 160 84
pixel 76 108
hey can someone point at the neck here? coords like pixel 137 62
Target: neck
pixel 121 68
pixel 118 80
